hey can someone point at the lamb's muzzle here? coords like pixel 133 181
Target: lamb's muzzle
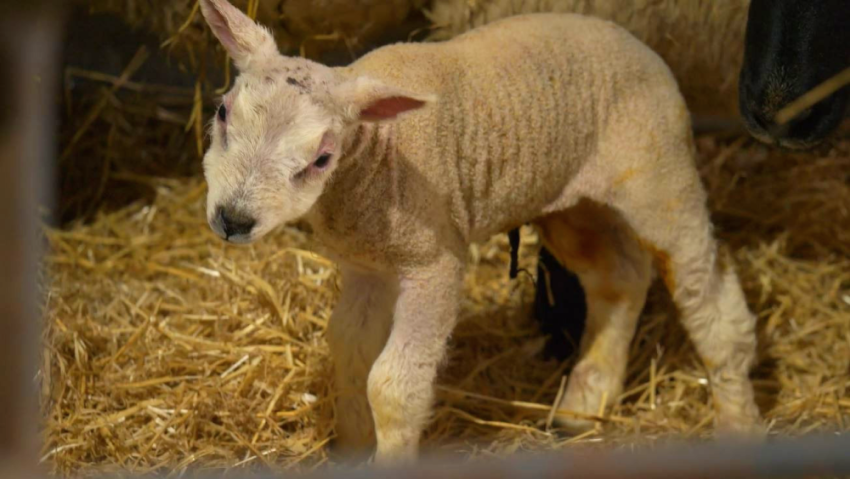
pixel 232 224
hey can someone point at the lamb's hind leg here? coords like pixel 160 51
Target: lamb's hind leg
pixel 615 273
pixel 673 223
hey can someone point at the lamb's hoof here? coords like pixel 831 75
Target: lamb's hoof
pixel 384 460
pixel 344 454
pixel 570 426
pixel 740 428
pixel 584 395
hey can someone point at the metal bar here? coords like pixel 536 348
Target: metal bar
pixel 813 456
pixel 786 458
pixel 28 55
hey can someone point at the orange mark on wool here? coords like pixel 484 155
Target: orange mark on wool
pixel 581 248
pixel 625 176
pixel 662 264
pixel 575 247
pixel 604 353
pixel 672 204
pixel 609 295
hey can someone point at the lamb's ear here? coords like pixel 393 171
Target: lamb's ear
pixel 366 99
pixel 246 42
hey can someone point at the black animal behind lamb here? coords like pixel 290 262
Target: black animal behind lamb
pixel 791 47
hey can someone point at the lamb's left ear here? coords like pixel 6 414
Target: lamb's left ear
pixel 366 99
pixel 247 43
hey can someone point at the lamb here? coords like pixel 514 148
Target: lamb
pixel 402 159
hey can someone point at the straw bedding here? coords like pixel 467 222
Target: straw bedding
pixel 165 350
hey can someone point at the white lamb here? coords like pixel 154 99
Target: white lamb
pixel 402 159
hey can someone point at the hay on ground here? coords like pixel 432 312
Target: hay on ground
pixel 166 350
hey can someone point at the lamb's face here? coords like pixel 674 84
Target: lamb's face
pixel 273 148
pixel 277 135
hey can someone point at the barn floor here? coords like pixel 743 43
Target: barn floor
pixel 166 351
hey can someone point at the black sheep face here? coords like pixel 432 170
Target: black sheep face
pixel 791 47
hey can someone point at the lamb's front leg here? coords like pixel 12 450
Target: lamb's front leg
pixel 357 332
pixel 401 386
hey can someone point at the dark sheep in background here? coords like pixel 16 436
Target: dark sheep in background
pixel 791 47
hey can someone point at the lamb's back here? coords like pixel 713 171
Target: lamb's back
pixel 522 105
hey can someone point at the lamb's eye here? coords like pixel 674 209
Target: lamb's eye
pixel 222 113
pixel 322 161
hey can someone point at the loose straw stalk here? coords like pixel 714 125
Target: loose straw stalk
pixel 813 96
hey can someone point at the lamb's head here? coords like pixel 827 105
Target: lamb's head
pixel 278 134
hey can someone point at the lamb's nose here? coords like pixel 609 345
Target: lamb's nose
pixel 235 223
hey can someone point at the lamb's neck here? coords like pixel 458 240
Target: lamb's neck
pixel 366 150
pixel 363 184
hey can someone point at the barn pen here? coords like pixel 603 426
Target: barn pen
pixel 164 351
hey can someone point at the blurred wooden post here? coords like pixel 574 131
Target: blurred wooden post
pixel 29 34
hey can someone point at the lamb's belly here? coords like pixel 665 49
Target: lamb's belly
pixel 515 169
pixel 519 198
pixel 521 139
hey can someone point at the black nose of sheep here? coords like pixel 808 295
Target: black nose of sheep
pixel 791 47
pixel 232 224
